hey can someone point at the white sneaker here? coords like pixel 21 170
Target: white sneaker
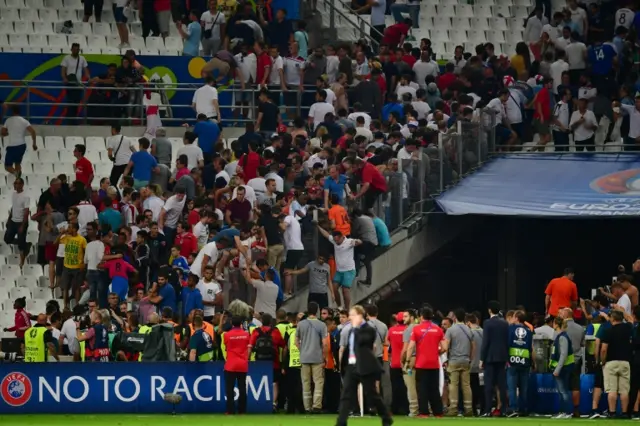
pixel 123 46
pixel 559 416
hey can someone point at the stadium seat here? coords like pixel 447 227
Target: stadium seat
pixel 458 36
pixel 502 11
pixel 27 282
pixel 3 259
pixel 495 36
pixel 155 43
pixel 7 283
pixel 19 40
pixel 67 15
pixel 54 142
pixel 10 271
pixel 66 156
pixel 96 41
pixel 29 15
pixel 16 4
pixel 482 11
pixel 44 28
pixel 13 259
pixel 460 24
pixel 38 40
pixel 36 306
pixel 44 168
pixel 102 29
pixel 48 15
pixel 173 43
pixel 477 36
pixel 446 10
pixel 6 27
pixel 94 157
pixel 48 156
pixel 18 292
pixel 149 52
pixel 7 317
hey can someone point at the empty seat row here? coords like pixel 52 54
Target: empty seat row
pixel 57 143
pixel 477 11
pixel 53 4
pixel 477 36
pixel 91 51
pixel 96 42
pixel 483 24
pixel 61 155
pixel 30 281
pixel 54 16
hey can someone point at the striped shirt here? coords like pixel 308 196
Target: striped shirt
pixel 292 67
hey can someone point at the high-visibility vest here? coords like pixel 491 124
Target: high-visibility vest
pixel 283 328
pixel 591 344
pixel 294 351
pixel 223 347
pixel 145 329
pixel 253 354
pixel 555 352
pixel 34 348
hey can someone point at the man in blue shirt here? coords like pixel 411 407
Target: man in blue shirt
pixel 110 216
pixel 392 105
pixel 334 184
pixel 208 133
pixel 263 266
pixel 143 165
pixel 602 57
pixel 163 294
pixel 192 36
pixel 382 232
pixel 191 296
pixel 200 343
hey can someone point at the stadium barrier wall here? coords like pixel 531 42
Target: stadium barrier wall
pixel 128 388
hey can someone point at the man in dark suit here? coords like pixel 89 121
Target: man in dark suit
pixel 361 367
pixel 494 355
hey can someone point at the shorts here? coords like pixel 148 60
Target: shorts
pixel 518 129
pixel 503 133
pixel 118 13
pixel 217 67
pixel 71 278
pixel 137 184
pixel 344 278
pixel 50 252
pixel 277 375
pixel 164 18
pixel 617 377
pixel 242 96
pixel 598 381
pixel 541 128
pixel 574 381
pixel 293 259
pixel 59 266
pixel 90 5
pixel 120 286
pixel 14 154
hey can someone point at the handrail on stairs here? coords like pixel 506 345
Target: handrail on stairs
pixel 359 23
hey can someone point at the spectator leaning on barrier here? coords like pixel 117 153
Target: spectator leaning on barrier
pixel 311 340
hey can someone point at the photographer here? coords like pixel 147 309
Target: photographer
pixel 97 338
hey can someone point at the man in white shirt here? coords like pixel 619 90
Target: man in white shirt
pixel 357 112
pixel 424 67
pixel 503 128
pixel 624 301
pixel 422 108
pixel 362 130
pixel 119 149
pixel 214 24
pixel 273 174
pixel 319 109
pixel 576 53
pixel 319 157
pixel 294 250
pixel 193 152
pixel 556 69
pixel 201 229
pixel 624 17
pixel 211 293
pixel 87 214
pixel 579 17
pixel 276 75
pixel 584 125
pixel 69 332
pixel 14 131
pixel 560 119
pixel 633 139
pixel 170 214
pixel 205 100
pixel 150 201
pixel 207 256
pixel 93 255
pixel 73 68
pixel 404 87
pixel 18 223
pixel 533 29
pixel 564 40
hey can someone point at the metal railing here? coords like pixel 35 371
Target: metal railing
pixel 95 104
pixel 360 24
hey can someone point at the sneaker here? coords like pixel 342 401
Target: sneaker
pixel 595 415
pixel 123 46
pixel 559 416
pixel 512 415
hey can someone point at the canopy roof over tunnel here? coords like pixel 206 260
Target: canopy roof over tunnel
pixel 569 185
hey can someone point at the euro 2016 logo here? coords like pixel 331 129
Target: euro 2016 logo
pixel 16 389
pixel 625 182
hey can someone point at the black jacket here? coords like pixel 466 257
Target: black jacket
pixel 495 341
pixel 366 361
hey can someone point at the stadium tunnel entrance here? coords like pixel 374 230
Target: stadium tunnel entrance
pixel 512 260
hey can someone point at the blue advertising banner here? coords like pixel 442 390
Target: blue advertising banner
pixel 544 398
pixel 46 67
pixel 46 388
pixel 560 185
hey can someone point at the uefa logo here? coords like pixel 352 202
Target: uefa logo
pixel 16 389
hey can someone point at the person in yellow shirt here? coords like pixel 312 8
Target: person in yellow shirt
pixel 73 271
pixel 521 61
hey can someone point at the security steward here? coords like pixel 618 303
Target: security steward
pixel 292 377
pixel 38 340
pixel 96 348
pixel 201 342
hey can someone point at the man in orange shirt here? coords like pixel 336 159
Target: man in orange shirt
pixel 236 367
pixel 338 216
pixel 561 293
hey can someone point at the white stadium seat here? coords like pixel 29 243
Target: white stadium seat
pixel 95 143
pixel 66 156
pixel 6 27
pixel 67 15
pixel 17 292
pixel 36 306
pixel 502 10
pixel 54 143
pixel 27 282
pixel 38 40
pixel 9 15
pixel 173 43
pixel 14 3
pixel 446 10
pixel 59 40
pixel 13 259
pixel 102 29
pixel 44 28
pixel 155 43
pixel 10 271
pixel 29 15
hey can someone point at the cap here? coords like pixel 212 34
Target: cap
pixel 412 123
pixel 400 316
pixel 507 81
pixel 432 87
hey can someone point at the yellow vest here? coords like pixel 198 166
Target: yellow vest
pixel 34 348
pixel 145 329
pixel 591 344
pixel 253 354
pixel 223 347
pixel 294 351
pixel 283 328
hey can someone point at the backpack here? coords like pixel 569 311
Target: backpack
pixel 264 346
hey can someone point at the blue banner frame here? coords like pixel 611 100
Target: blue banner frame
pixel 133 388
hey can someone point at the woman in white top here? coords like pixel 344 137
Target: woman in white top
pixel 584 124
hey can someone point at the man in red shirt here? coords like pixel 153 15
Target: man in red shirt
pixel 236 367
pixel 400 403
pixel 249 163
pixel 277 342
pixel 83 167
pixel 373 183
pixel 187 242
pixel 263 66
pixel 447 79
pixel 542 112
pixel 395 34
pixel 428 341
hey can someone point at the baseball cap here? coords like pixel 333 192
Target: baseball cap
pixel 400 316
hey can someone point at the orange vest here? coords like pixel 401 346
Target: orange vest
pixel 329 354
pixel 206 326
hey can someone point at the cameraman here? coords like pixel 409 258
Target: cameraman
pixel 97 340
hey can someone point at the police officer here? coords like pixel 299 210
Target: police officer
pixel 38 340
pixel 519 365
pixel 201 343
pixel 97 340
